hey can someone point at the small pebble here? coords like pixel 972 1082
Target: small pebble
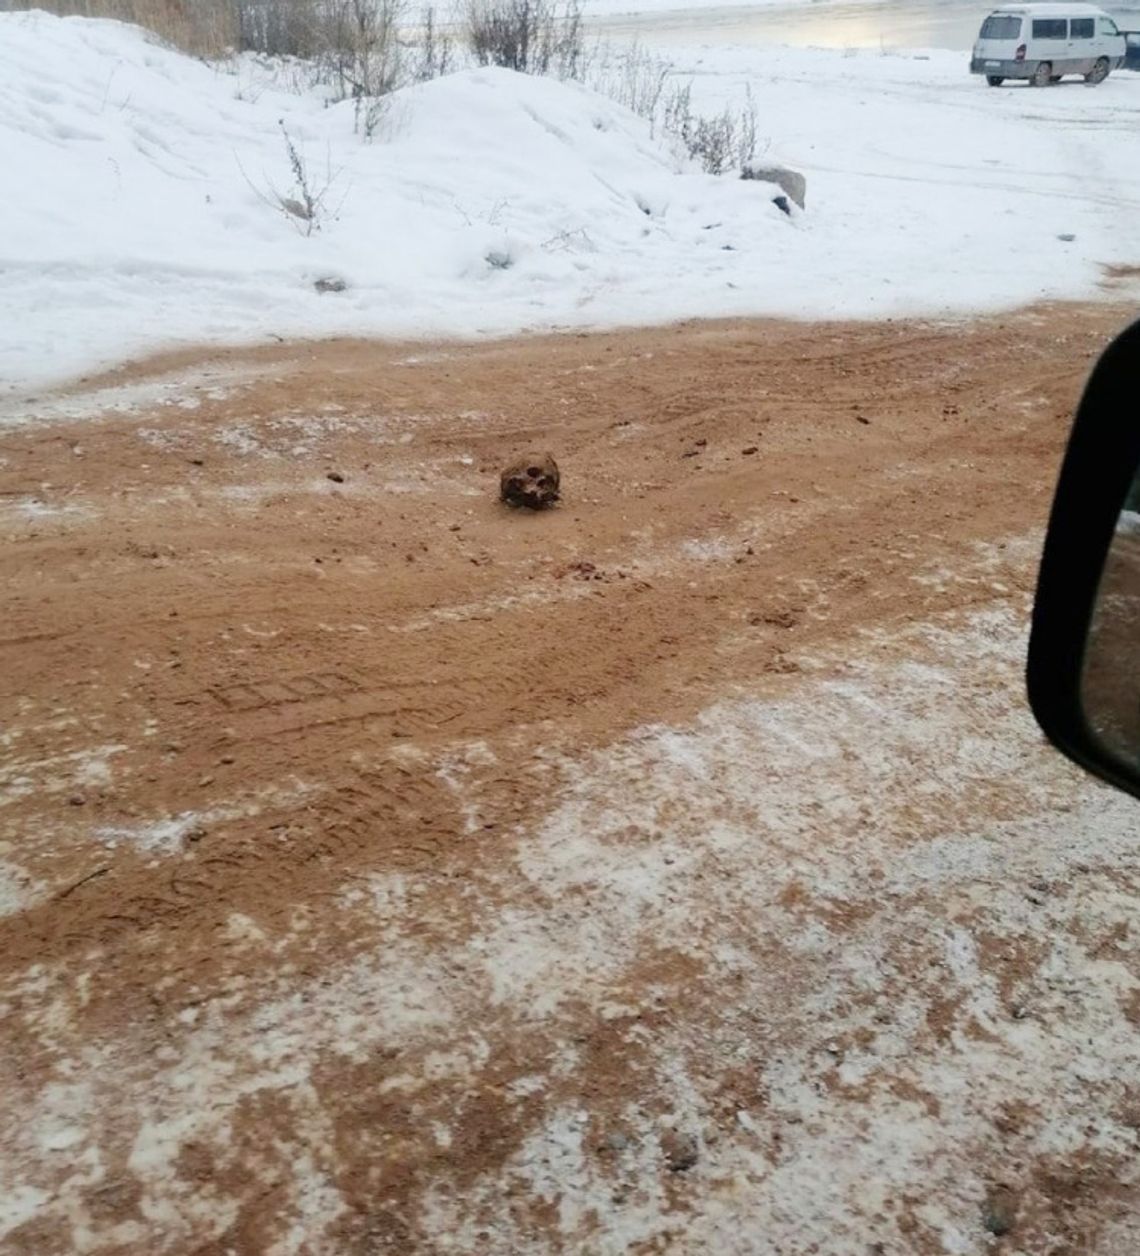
pixel 999 1213
pixel 681 1151
pixel 336 477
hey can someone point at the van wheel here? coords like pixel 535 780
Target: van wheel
pixel 1099 72
pixel 994 80
pixel 1042 74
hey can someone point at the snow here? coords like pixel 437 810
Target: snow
pixel 146 211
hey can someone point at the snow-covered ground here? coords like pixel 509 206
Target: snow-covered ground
pixel 145 209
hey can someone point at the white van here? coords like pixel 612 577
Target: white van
pixel 1044 42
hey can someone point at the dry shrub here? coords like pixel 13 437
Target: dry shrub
pixel 203 28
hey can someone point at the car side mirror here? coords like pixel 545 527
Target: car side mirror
pixel 1084 650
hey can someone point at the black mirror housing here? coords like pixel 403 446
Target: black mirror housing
pixel 1097 477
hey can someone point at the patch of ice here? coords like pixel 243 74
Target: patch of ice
pixel 165 834
pixel 18 889
pixel 19 1203
pixel 36 508
pixel 90 768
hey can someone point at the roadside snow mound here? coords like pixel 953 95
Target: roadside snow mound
pixel 143 200
pixel 148 208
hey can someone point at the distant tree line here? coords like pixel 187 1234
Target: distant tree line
pixel 291 28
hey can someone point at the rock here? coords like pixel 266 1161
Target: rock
pixel 532 481
pixel 336 477
pixel 790 182
pixel 781 203
pixel 1066 237
pixel 330 283
pixel 750 449
pixel 999 1212
pixel 682 1151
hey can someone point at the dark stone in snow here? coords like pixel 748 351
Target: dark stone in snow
pixel 790 182
pixel 681 1151
pixel 999 1214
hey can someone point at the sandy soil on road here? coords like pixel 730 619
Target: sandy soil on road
pixel 384 870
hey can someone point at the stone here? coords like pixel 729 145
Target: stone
pixel 682 1151
pixel 999 1213
pixel 790 182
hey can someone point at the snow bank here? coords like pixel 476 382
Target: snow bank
pixel 144 212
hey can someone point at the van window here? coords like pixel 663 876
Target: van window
pixel 1050 28
pixel 1107 26
pixel 1001 27
pixel 1081 28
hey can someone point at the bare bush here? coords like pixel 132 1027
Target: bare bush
pixel 278 28
pixel 531 36
pixel 632 77
pixel 206 28
pixel 436 50
pixel 719 142
pixel 360 46
pixel 640 81
pixel 354 40
pixel 305 205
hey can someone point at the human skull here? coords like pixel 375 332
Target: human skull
pixel 531 481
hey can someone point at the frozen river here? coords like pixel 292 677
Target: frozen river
pixel 951 24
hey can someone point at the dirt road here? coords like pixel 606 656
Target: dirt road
pixel 384 870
